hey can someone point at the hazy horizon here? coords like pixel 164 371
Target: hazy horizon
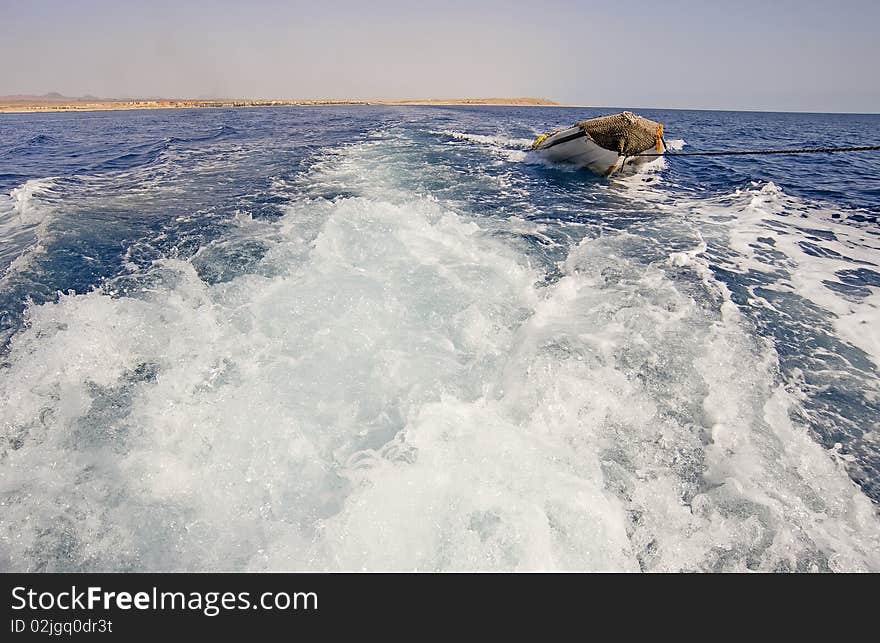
pixel 792 56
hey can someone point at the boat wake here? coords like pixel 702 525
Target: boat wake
pixel 382 365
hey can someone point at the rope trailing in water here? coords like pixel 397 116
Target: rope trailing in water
pixel 815 150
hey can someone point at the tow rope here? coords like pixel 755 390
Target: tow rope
pixel 814 150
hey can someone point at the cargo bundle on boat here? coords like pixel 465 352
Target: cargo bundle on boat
pixel 604 145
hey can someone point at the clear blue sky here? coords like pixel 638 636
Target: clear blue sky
pixel 772 55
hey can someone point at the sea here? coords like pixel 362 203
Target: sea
pixel 392 338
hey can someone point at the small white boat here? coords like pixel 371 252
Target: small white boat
pixel 604 145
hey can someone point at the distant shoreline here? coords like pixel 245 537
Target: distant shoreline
pixel 18 105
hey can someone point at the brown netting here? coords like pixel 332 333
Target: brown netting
pixel 624 133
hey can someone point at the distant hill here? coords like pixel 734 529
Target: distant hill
pixel 50 97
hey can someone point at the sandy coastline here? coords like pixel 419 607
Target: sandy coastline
pixel 23 104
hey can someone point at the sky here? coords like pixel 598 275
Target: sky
pixel 772 55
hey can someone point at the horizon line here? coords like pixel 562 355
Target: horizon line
pixel 53 102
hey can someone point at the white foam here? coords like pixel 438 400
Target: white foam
pixel 496 141
pixel 25 196
pixel 765 212
pixel 860 326
pixel 394 389
pixel 25 220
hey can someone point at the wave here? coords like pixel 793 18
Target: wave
pixel 25 224
pixel 498 140
pixel 222 131
pixel 820 249
pixel 33 145
pixel 390 368
pixel 146 154
pixel 805 276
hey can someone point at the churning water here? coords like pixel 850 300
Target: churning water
pixel 390 338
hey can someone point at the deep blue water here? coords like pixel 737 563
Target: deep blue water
pixel 290 336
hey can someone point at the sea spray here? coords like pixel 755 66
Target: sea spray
pixel 390 355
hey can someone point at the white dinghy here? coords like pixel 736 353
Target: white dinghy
pixel 604 145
